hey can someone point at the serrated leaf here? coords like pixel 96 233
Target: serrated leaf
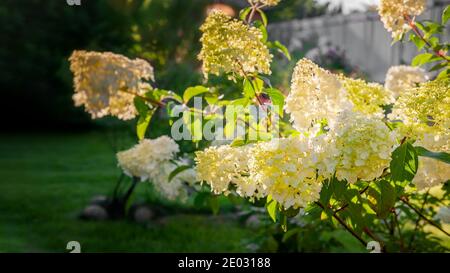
pixel 421 59
pixel 404 163
pixel 142 124
pixel 249 91
pixel 272 207
pixel 446 15
pixel 277 99
pixel 259 25
pixel 263 16
pixel 443 74
pixel 417 41
pixel 244 13
pixel 193 91
pixel 178 170
pixel 140 105
pixel 438 66
pixel 282 49
pixel 326 193
pixel 386 199
pixel 441 156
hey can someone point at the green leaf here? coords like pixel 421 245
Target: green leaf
pixel 443 74
pixel 272 207
pixel 446 15
pixel 263 16
pixel 194 91
pixel 178 170
pixel 404 163
pixel 214 204
pixel 434 27
pixel 326 193
pixel 142 123
pixel 244 13
pixel 249 91
pixel 241 101
pixel 212 98
pixel 441 156
pixel 277 99
pixel 282 49
pixel 339 188
pixel 289 234
pixel 438 66
pixel 386 199
pixel 417 41
pixel 237 142
pixel 291 212
pixel 259 25
pixel 201 198
pixel 140 105
pixel 422 59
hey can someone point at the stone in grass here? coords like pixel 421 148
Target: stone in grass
pixel 94 212
pixel 142 213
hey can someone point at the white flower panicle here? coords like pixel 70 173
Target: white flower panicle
pixel 432 172
pixel 232 47
pixel 105 82
pixel 315 95
pixel 287 169
pixel 143 159
pixel 223 165
pixel 424 109
pixel 318 95
pixel 366 97
pixel 290 170
pixel 365 145
pixel 393 12
pixel 402 77
pixel 151 159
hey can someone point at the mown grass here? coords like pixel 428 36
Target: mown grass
pixel 46 180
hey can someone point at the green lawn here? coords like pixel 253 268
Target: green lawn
pixel 46 180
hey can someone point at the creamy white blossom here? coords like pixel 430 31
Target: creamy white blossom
pixel 393 13
pixel 223 165
pixel 364 144
pixel 289 170
pixel 233 47
pixel 424 109
pixel 432 172
pixel 316 95
pixel 402 77
pixel 106 83
pixel 154 160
